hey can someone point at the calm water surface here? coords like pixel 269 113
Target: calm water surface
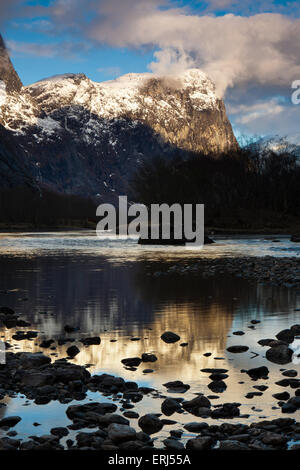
pixel 105 287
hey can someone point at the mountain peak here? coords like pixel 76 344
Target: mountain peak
pixel 8 75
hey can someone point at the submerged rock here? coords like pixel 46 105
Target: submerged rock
pixel 176 387
pixel 170 406
pixel 170 337
pixel 148 357
pixel 72 351
pixel 258 372
pixel 10 421
pixel 132 361
pixel 96 340
pixel 237 349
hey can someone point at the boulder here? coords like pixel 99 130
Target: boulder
pixel 121 432
pixel 280 354
pixel 286 335
pixel 170 337
pixel 150 423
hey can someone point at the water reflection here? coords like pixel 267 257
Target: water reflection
pixel 119 298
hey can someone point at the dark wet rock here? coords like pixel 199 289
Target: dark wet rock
pixel 60 431
pixel 214 371
pixel 70 329
pixel 288 408
pixel 131 414
pixel 274 439
pixel 184 345
pixel 7 311
pixel 231 444
pixel 168 422
pixel 208 354
pixel 46 343
pixel 82 412
pixel 265 342
pixel 293 383
pixel 196 427
pixel 228 410
pixel 217 386
pixel 21 335
pixel 192 406
pixel 72 351
pixel 143 437
pixel 217 377
pixel 237 349
pixel 146 390
pixel 121 432
pixel 148 371
pixel 295 402
pixel 281 396
pixel 258 372
pixel 277 342
pixel 176 386
pixel 286 335
pixel 91 340
pixel 280 354
pixel 37 379
pixel 238 333
pixel 135 338
pixel 295 329
pixel 110 418
pixel 148 357
pixel 21 323
pixel 170 406
pixel 173 444
pixel 253 394
pixel 199 443
pixel 261 388
pixel 9 444
pixel 150 423
pixel 170 337
pixel 132 361
pixel 33 360
pixel 290 373
pixel 10 421
pixel 255 322
pixel 177 433
pixel 43 400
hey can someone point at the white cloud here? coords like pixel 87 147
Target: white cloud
pixel 65 49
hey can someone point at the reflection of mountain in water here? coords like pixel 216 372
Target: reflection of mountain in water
pixel 122 300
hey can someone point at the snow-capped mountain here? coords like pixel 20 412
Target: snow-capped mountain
pixel 87 138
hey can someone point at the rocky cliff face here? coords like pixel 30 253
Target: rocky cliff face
pixel 8 76
pixel 87 138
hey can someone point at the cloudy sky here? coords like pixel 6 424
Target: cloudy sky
pixel 251 49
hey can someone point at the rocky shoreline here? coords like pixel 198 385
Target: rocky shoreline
pixel 107 426
pixel 283 272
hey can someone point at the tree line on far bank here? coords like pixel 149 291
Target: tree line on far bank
pixel 254 187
